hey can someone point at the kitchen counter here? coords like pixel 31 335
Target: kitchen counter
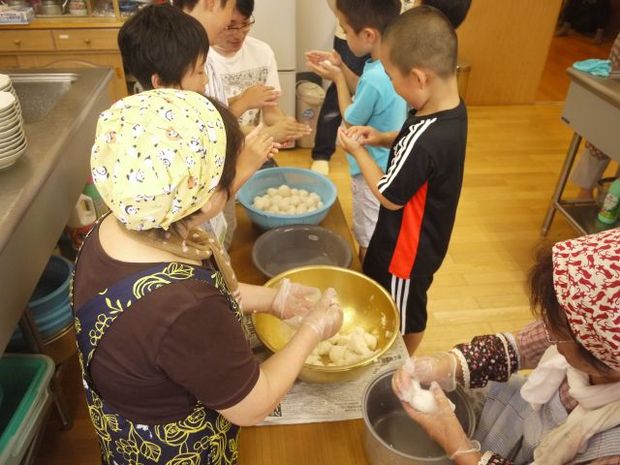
pixel 38 193
pixel 330 443
pixel 592 110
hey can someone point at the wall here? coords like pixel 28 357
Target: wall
pixel 315 28
pixel 506 42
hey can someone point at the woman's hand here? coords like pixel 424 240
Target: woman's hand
pixel 294 299
pixel 443 426
pixel 325 319
pixel 440 367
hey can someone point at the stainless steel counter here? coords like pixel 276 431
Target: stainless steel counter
pixel 38 193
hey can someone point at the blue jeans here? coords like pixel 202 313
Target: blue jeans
pixel 329 116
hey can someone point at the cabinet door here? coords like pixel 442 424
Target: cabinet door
pixel 84 60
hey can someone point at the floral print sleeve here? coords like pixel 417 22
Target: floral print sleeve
pixel 492 357
pixel 489 458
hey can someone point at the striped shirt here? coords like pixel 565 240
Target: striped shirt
pixel 424 176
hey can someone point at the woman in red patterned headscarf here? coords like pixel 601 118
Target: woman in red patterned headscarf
pixel 568 409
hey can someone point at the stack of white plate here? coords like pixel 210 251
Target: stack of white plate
pixel 12 136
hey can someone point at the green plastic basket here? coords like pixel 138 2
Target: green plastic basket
pixel 25 383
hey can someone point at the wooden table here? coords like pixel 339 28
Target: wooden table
pixel 332 443
pixel 592 110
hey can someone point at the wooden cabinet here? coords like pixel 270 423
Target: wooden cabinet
pixel 65 43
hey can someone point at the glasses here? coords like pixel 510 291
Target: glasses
pixel 244 27
pixel 554 341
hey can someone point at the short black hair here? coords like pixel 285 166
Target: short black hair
pixel 189 5
pixel 455 10
pixel 246 7
pixel 375 14
pixel 423 38
pixel 234 143
pixel 162 40
pixel 544 304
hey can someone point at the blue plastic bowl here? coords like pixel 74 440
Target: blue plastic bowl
pixel 49 303
pixel 298 178
pixel 53 287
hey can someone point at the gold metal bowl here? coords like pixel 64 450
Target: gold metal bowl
pixel 364 302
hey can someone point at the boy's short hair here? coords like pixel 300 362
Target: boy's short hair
pixel 375 14
pixel 455 10
pixel 191 4
pixel 162 40
pixel 245 7
pixel 423 38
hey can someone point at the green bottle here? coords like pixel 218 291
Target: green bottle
pixel 611 205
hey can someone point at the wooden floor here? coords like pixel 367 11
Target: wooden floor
pixel 513 159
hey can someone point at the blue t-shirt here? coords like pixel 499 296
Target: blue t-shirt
pixel 375 104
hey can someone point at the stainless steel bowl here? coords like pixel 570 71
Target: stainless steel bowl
pixel 392 438
pixel 288 247
pixel 365 303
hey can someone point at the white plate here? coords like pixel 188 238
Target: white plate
pixel 9 135
pixel 12 142
pixel 5 81
pixel 21 147
pixel 10 123
pixel 10 161
pixel 8 119
pixel 7 100
pixel 8 111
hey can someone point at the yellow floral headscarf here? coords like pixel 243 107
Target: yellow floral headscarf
pixel 158 156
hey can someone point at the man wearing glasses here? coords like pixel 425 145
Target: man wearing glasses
pixel 248 70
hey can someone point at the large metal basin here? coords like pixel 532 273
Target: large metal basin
pixel 38 193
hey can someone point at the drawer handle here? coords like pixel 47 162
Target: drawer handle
pixel 17 42
pixel 87 41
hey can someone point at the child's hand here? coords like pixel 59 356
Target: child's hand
pixel 259 95
pixel 318 56
pixel 259 147
pixel 365 135
pixel 288 129
pixel 348 143
pixel 326 69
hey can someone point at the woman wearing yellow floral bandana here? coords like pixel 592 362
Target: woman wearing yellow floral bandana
pixel 168 373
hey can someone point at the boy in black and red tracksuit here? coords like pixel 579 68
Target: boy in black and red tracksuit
pixel 419 193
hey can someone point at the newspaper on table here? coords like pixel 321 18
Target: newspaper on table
pixel 312 403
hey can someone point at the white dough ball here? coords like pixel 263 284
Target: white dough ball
pixel 294 191
pixel 284 190
pixel 303 193
pixel 337 354
pixel 294 200
pixel 273 209
pixel 323 347
pixel 272 191
pixel 301 208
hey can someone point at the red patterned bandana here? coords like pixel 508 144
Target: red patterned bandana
pixel 586 277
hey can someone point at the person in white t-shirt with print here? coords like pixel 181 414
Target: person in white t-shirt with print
pixel 248 71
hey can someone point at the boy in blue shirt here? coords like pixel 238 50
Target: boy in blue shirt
pixel 375 104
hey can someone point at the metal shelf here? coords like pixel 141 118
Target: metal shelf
pixel 582 215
